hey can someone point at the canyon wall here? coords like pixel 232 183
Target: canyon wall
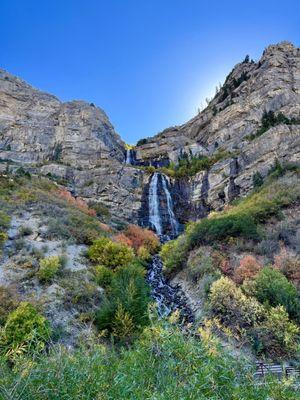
pixel 76 142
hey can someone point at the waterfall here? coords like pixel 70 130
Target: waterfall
pixel 154 216
pixel 161 213
pixel 128 159
pixel 172 218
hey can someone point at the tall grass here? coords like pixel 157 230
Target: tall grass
pixel 164 364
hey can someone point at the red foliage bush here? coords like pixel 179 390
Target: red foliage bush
pixel 121 238
pixel 247 269
pixel 142 237
pixel 225 266
pixel 138 238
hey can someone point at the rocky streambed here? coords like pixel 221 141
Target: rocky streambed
pixel 168 298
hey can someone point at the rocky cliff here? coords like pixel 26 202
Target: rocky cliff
pixel 230 123
pixel 76 141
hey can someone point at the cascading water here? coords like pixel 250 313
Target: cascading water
pixel 154 215
pixel 129 157
pixel 173 221
pixel 167 297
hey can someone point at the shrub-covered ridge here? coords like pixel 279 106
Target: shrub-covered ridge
pixel 241 219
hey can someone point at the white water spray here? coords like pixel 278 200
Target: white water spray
pixel 173 221
pixel 128 160
pixel 154 216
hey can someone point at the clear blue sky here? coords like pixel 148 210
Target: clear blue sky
pixel 148 64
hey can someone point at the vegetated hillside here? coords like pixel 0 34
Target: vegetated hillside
pixel 57 256
pixel 67 279
pixel 241 268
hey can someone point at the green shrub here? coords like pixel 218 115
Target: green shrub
pixel 80 293
pixel 142 141
pixel 103 275
pixel 25 328
pixel 110 254
pixel 229 303
pixel 101 209
pixel 122 325
pixel 49 267
pixel 223 226
pixel 129 290
pixel 207 282
pixel 4 221
pixel 257 179
pixel 25 231
pixel 4 225
pixel 173 252
pixel 144 254
pixel 189 165
pixel 269 119
pixel 3 238
pixel 272 288
pixel 277 335
pixel 69 223
pixel 200 265
pixel 8 303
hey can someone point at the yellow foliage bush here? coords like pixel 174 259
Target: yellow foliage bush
pixel 122 326
pixel 48 268
pixel 110 254
pixel 232 305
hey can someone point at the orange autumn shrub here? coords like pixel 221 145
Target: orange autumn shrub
pixel 76 201
pixel 143 241
pixel 121 238
pixel 142 237
pixel 247 269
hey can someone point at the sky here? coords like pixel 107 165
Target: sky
pixel 148 64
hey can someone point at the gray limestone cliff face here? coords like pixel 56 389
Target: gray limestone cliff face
pixel 76 141
pixel 272 84
pixel 73 140
pixel 36 127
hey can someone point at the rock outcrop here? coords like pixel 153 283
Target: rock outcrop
pixel 75 140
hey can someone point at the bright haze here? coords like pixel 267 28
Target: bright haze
pixel 148 64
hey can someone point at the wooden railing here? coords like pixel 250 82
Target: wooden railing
pixel 280 371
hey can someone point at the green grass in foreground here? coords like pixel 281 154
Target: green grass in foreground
pixel 164 364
